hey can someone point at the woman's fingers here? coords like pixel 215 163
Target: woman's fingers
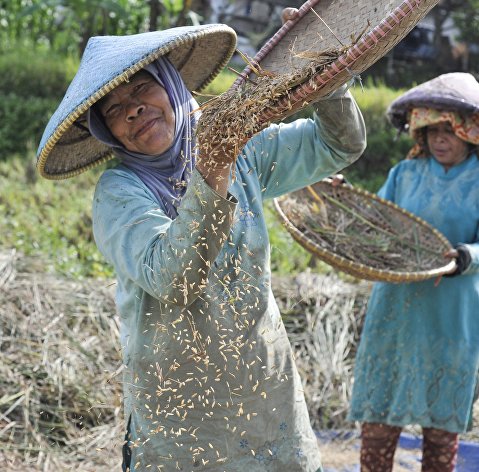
pixel 337 180
pixel 452 254
pixel 289 14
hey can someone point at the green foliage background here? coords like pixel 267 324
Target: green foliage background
pixel 32 83
pixel 385 147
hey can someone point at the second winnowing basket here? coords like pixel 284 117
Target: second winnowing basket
pixel 363 235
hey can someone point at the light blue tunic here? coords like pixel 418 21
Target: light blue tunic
pixel 419 349
pixel 210 382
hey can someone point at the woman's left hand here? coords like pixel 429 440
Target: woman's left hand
pixel 337 180
pixel 463 260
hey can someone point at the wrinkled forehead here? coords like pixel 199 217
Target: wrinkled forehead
pixel 140 75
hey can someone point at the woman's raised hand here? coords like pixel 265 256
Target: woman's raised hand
pixel 289 14
pixel 215 159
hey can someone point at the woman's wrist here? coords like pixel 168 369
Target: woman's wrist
pixel 216 177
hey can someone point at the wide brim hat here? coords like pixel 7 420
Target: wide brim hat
pixel 198 52
pixel 455 91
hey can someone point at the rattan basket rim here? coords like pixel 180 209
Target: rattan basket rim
pixel 396 24
pixel 358 269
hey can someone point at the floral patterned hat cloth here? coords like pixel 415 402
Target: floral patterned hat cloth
pixel 464 127
pixel 67 147
pixel 452 97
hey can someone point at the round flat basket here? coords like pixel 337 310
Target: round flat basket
pixel 331 42
pixel 328 44
pixel 363 235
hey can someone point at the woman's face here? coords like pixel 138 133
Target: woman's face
pixel 139 114
pixel 445 146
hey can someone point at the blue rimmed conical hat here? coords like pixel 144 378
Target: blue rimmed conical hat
pixel 198 52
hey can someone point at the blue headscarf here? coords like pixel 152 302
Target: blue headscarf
pixel 167 174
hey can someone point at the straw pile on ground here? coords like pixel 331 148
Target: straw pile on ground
pixel 59 396
pixel 60 368
pixel 323 316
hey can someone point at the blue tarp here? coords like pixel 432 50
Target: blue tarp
pixel 408 454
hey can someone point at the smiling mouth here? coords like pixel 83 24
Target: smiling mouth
pixel 145 128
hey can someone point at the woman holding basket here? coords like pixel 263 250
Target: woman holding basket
pixel 209 380
pixel 419 351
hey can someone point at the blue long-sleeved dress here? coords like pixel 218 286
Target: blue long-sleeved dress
pixel 419 350
pixel 210 383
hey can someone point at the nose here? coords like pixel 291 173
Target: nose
pixel 440 136
pixel 133 110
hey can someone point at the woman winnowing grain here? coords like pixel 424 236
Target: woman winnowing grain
pixel 210 382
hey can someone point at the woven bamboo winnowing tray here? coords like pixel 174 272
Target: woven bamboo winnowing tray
pixel 383 24
pixel 363 235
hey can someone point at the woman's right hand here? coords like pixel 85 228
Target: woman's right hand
pixel 214 163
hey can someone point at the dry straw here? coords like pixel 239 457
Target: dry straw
pixel 59 393
pixel 238 114
pixel 323 316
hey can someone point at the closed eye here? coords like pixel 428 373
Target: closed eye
pixel 111 110
pixel 138 88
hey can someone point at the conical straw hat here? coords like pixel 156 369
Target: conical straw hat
pixel 199 53
pixel 455 91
